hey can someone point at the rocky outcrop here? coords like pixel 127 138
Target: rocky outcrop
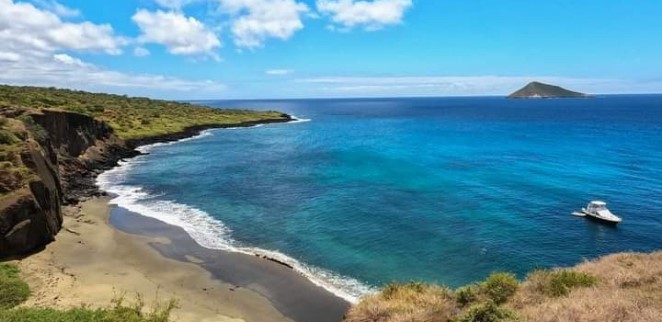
pixel 66 152
pixel 65 162
pixel 31 217
pixel 84 147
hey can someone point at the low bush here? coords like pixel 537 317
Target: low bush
pixel 467 294
pixel 486 312
pixel 499 287
pixel 7 137
pixel 560 283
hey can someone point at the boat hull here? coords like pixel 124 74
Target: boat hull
pixel 600 219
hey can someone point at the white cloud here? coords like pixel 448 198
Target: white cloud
pixel 174 4
pixel 141 52
pixel 255 21
pixel 63 70
pixel 58 8
pixel 68 60
pixel 279 72
pixel 371 15
pixel 27 29
pixel 464 85
pixel 180 34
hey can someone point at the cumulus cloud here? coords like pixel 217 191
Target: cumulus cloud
pixel 25 28
pixel 255 21
pixel 180 34
pixel 370 15
pixel 279 72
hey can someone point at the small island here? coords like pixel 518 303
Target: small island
pixel 541 90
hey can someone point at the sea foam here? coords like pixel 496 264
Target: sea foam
pixel 210 232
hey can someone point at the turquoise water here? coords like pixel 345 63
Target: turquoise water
pixel 371 191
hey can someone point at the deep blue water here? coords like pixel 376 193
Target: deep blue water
pixel 435 189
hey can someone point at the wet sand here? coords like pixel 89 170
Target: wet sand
pixel 92 262
pixel 291 293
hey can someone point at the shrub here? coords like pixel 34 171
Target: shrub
pixel 560 283
pixel 7 137
pixel 499 287
pixel 467 294
pixel 40 134
pixel 13 291
pixel 393 289
pixel 486 312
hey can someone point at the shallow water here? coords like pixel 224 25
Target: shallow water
pixel 436 189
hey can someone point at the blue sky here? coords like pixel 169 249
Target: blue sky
pixel 217 49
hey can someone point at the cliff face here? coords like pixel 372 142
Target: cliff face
pixel 64 162
pixel 84 146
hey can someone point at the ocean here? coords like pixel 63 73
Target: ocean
pixel 363 192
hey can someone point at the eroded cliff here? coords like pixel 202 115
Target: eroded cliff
pixel 61 152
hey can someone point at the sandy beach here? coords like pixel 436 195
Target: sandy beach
pixel 91 263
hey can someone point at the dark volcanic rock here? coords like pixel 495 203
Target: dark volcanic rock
pixel 32 217
pixel 541 90
pixel 66 162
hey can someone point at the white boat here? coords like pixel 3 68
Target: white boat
pixel 598 210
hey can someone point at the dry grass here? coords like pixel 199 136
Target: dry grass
pixel 628 289
pixel 406 303
pixel 623 287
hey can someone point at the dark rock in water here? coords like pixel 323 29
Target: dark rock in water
pixel 541 90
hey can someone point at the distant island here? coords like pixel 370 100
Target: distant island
pixel 541 90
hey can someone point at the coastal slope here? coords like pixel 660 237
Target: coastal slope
pixel 541 90
pixel 53 143
pixel 624 287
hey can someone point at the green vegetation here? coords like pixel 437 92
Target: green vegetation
pixel 499 287
pixel 487 301
pixel 625 287
pixel 14 291
pixel 131 118
pixel 560 283
pixel 486 312
pixel 13 174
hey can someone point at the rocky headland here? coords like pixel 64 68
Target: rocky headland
pixel 53 144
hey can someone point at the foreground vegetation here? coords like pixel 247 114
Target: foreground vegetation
pixel 131 118
pixel 14 291
pixel 617 288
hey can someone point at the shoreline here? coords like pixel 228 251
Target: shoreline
pixel 190 219
pixel 321 304
pixel 93 263
pixel 290 293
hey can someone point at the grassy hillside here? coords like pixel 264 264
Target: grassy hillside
pixel 14 291
pixel 617 288
pixel 130 117
pixel 13 173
